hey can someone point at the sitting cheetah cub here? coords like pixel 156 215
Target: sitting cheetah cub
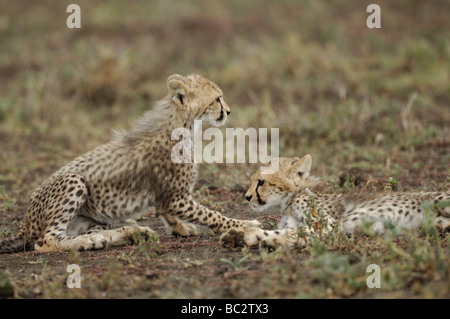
pixel 310 210
pixel 75 208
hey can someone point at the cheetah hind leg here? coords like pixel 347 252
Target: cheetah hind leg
pixel 52 243
pixel 66 218
pixel 131 233
pixel 71 193
pixel 84 225
pixel 175 226
pixel 98 240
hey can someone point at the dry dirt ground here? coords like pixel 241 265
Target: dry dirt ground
pixel 197 267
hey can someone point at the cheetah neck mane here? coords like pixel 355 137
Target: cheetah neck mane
pixel 162 119
pixel 313 183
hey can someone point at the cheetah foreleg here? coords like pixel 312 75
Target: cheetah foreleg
pixel 191 211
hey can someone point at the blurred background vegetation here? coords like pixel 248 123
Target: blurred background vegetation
pixel 375 99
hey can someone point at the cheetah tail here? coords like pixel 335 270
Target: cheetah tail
pixel 12 244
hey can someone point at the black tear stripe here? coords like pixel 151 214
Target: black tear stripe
pixel 260 201
pixel 221 111
pixel 221 116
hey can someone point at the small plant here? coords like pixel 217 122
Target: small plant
pixel 343 274
pixel 432 234
pixel 5 232
pixel 391 185
pixel 236 265
pixel 111 277
pixel 314 218
pixel 146 245
pixel 4 197
pixel 74 257
pixel 9 204
pixel 39 261
pixel 270 223
pixel 301 233
pixel 372 184
pixel 6 287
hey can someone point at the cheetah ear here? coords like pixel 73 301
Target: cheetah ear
pixel 176 84
pixel 301 167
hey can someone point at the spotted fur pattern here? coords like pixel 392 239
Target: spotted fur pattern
pixel 310 209
pixel 78 206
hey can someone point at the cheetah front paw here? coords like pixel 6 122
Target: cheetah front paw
pixel 272 244
pixel 95 241
pixel 136 233
pixel 281 242
pixel 184 230
pixel 232 239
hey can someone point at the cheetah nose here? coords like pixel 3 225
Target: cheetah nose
pixel 228 112
pixel 249 197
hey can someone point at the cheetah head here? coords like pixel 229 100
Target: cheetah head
pixel 270 190
pixel 200 97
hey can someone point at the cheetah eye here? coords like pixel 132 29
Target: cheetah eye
pixel 216 100
pixel 300 174
pixel 261 182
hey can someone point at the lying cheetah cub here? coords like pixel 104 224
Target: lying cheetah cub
pixel 310 210
pixel 76 207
